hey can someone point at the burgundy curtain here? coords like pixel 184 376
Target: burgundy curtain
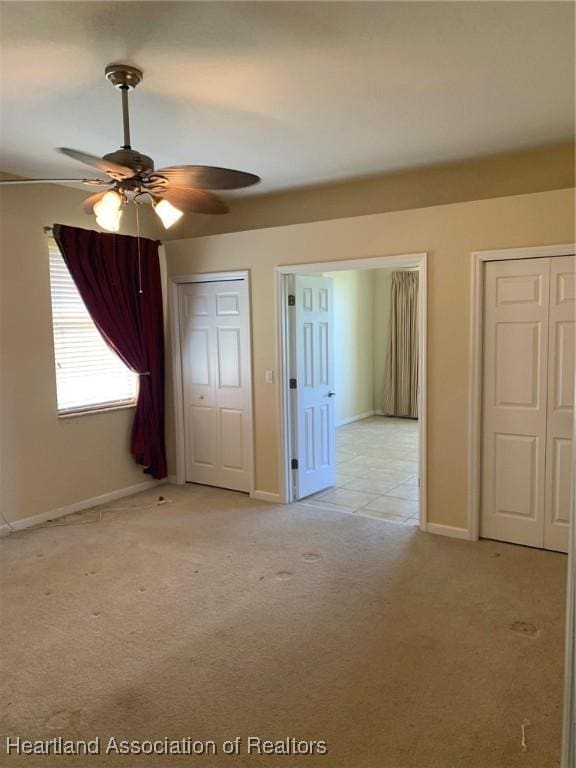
pixel 119 282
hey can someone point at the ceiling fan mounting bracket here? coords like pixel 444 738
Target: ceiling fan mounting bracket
pixel 123 76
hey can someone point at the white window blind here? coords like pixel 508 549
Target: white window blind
pixel 89 375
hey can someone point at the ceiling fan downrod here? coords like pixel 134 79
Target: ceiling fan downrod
pixel 125 118
pixel 125 78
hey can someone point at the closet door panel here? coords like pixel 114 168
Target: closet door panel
pixel 516 298
pixel 562 342
pixel 215 344
pixel 232 328
pixel 199 386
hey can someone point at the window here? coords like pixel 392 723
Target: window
pixel 89 375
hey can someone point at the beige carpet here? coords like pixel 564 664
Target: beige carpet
pixel 216 616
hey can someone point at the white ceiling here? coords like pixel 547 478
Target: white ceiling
pixel 299 93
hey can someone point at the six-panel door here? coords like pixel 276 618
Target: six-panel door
pixel 314 397
pixel 214 330
pixel 561 347
pixel 528 391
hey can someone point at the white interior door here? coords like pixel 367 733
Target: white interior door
pixel 314 433
pixel 214 340
pixel 528 403
pixel 561 346
pixel 515 372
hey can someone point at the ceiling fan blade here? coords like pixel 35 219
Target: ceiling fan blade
pixel 207 177
pixel 190 200
pixel 90 202
pixel 92 182
pixel 114 170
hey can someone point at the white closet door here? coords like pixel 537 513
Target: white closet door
pixel 214 339
pixel 516 296
pixel 562 343
pixel 197 323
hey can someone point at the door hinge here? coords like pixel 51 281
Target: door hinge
pixel 291 300
pixel 293 383
pixel 294 464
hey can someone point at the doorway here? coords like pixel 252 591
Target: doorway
pixel 325 449
pixel 212 380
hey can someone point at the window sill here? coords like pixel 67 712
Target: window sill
pixel 99 409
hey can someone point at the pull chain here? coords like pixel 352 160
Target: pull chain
pixel 113 258
pixel 139 254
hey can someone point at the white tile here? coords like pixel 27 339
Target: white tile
pixel 345 498
pixel 392 505
pixel 351 470
pixel 371 484
pixel 377 456
pixel 364 512
pixel 405 491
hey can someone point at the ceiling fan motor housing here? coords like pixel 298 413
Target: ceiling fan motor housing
pixel 132 158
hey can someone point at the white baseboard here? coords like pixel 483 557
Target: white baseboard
pixel 380 412
pixel 350 419
pixel 78 506
pixel 274 498
pixel 448 530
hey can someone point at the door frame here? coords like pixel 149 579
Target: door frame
pixel 479 259
pixel 174 283
pixel 419 260
pixel 569 724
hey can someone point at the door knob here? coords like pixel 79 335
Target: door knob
pixel 331 394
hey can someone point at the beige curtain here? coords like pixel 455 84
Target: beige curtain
pixel 401 376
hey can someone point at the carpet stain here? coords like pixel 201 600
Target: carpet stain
pixel 311 557
pixel 284 575
pixel 60 720
pixel 524 628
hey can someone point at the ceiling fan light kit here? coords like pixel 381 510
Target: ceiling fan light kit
pixel 108 210
pixel 167 213
pixel 132 178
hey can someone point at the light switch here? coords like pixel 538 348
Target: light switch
pixel 269 376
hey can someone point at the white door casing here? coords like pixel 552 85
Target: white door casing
pixel 314 441
pixel 561 348
pixel 214 342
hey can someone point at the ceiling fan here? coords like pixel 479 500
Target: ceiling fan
pixel 131 175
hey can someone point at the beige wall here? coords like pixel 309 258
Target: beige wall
pixel 448 233
pixel 511 173
pixel 46 462
pixel 353 333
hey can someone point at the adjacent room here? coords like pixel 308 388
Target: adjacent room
pixel 376 357
pixel 287 364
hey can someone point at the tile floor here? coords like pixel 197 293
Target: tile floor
pixel 376 470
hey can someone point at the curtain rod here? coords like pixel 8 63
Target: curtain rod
pixel 50 230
